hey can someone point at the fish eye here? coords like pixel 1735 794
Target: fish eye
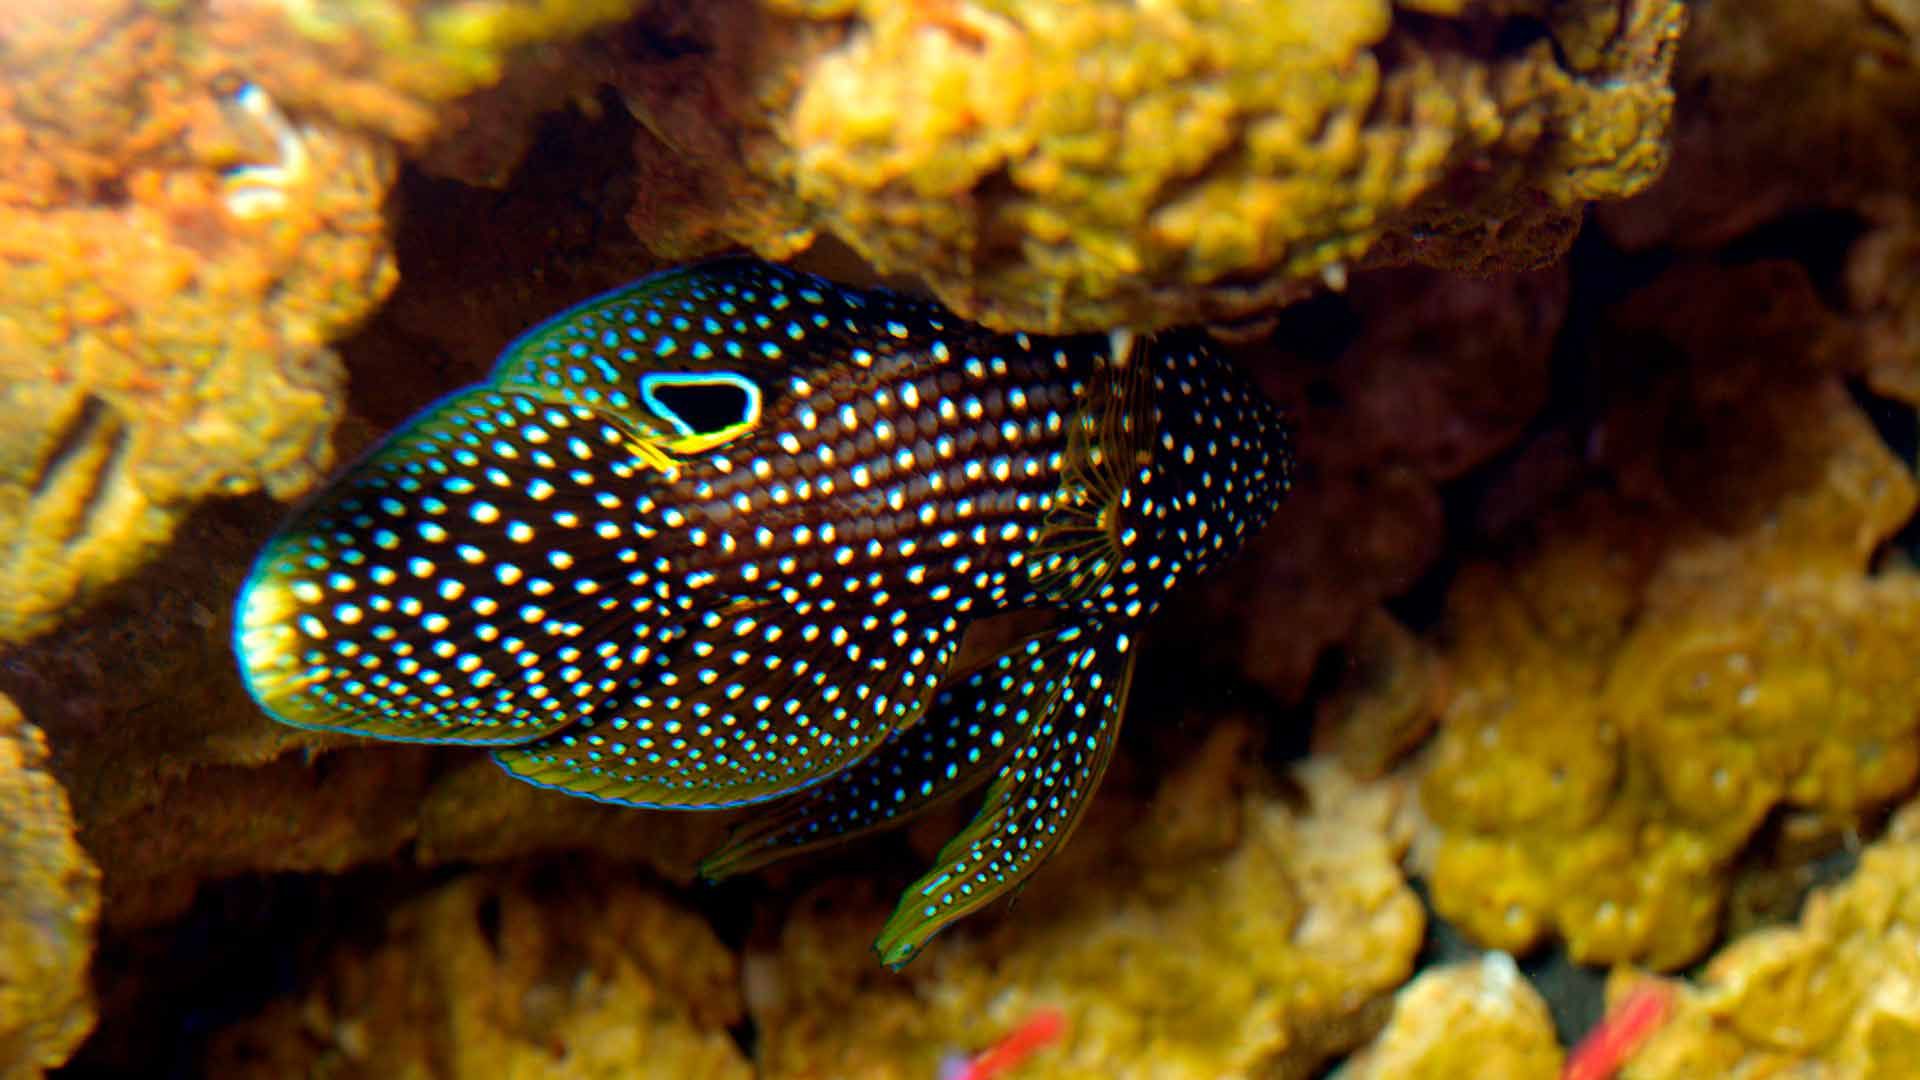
pixel 703 406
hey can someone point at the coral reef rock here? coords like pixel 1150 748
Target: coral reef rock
pixel 1206 934
pixel 49 897
pixel 578 971
pixel 1482 1020
pixel 177 254
pixel 1837 995
pixel 1659 660
pixel 1049 165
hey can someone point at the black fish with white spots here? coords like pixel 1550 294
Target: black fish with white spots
pixel 712 539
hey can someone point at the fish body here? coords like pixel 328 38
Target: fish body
pixel 713 539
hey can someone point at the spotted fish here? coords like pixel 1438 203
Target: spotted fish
pixel 713 539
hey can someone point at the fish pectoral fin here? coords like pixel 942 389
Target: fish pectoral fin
pixel 971 727
pixel 1037 797
pixel 1083 538
pixel 751 702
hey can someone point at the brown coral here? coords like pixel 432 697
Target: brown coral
pixel 401 67
pixel 1811 103
pixel 49 896
pixel 1076 165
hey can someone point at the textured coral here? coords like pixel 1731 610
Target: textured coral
pixel 1018 156
pixel 1211 936
pixel 1838 995
pixel 1476 1019
pixel 176 256
pixel 1672 655
pixel 1815 105
pixel 585 973
pixel 49 895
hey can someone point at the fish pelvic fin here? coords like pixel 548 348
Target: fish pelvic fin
pixel 1037 797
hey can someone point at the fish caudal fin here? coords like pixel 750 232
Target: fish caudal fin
pixel 972 727
pixel 1037 796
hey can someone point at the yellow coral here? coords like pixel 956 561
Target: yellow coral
pixel 1482 1020
pixel 589 974
pixel 171 348
pixel 1051 165
pixel 1838 995
pixel 392 65
pixel 49 896
pixel 1670 662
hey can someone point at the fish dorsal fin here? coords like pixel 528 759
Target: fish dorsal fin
pixel 752 702
pixel 1037 797
pixel 972 726
pixel 1083 539
pixel 445 587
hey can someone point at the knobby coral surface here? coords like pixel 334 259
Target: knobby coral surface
pixel 49 896
pixel 1050 165
pixel 1203 933
pixel 1683 646
pixel 1836 995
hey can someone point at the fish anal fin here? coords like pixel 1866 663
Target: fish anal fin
pixel 1037 797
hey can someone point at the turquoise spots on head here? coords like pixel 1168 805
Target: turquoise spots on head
pixel 713 539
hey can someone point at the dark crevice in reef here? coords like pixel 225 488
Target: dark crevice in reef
pixel 1818 238
pixel 165 990
pixel 1578 393
pixel 486 264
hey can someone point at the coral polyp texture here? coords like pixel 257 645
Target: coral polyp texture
pixel 1480 1019
pixel 582 974
pixel 1598 589
pixel 1055 165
